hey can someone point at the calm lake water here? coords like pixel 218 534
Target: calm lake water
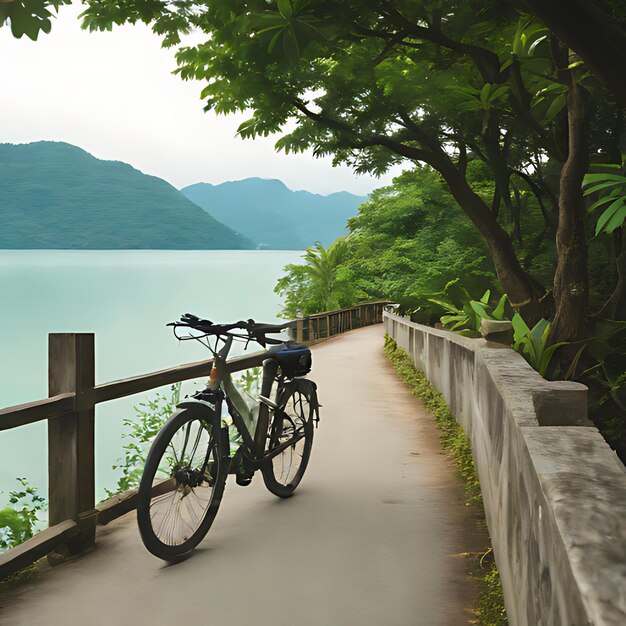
pixel 125 298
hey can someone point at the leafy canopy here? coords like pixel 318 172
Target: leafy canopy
pixel 29 17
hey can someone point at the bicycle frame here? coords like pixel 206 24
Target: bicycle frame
pixel 252 423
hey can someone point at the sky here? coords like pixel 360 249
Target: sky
pixel 113 94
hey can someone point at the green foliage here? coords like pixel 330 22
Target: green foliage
pixel 411 239
pixel 600 363
pixel 611 189
pixel 29 17
pixel 376 84
pixel 19 520
pixel 249 380
pixel 292 26
pixel 320 284
pixel 464 314
pixel 151 416
pixel 490 609
pixel 534 344
pixel 482 309
pixel 346 71
pixel 409 244
pixel 456 309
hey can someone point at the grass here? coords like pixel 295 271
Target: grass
pixel 490 603
pixel 14 580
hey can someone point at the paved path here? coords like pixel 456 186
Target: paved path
pixel 371 537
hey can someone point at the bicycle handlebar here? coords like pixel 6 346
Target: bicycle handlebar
pixel 256 331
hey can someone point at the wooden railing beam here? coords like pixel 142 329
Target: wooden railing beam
pixel 36 547
pixel 146 382
pixel 23 414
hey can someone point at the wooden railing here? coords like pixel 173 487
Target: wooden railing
pixel 321 326
pixel 70 412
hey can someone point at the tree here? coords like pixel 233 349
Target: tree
pixel 441 82
pixel 320 284
pixel 411 239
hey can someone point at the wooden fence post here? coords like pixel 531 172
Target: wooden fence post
pixel 299 329
pixel 71 472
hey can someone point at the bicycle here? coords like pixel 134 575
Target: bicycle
pixel 186 468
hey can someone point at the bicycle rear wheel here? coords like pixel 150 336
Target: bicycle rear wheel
pixel 182 484
pixel 292 421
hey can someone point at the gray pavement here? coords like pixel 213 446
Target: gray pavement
pixel 373 536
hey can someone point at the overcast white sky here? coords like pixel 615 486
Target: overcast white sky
pixel 113 95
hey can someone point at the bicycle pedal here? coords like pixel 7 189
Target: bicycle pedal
pixel 243 481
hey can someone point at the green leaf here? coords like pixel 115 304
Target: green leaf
pixel 247 129
pixel 520 327
pixel 557 104
pixel 604 176
pixel 608 214
pixel 591 190
pixel 611 196
pixel 613 166
pixel 484 95
pixel 506 64
pixel 547 356
pixel 538 331
pixel 445 305
pixel 498 312
pixel 290 44
pixel 535 43
pixel 480 310
pixel 285 9
pixel 274 41
pixel 464 89
pixel 498 92
pixel 449 319
pixel 553 87
pixel 618 219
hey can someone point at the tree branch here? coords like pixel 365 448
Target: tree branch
pixel 549 219
pixel 486 61
pixel 410 152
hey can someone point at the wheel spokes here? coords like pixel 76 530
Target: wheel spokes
pixel 176 515
pixel 293 420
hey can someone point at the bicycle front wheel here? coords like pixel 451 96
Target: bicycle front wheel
pixel 182 484
pixel 291 430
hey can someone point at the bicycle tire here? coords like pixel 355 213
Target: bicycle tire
pixel 283 473
pixel 179 496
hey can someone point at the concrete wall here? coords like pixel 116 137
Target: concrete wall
pixel 554 492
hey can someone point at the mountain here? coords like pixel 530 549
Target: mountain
pixel 270 213
pixel 55 195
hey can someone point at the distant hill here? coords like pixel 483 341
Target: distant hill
pixel 271 214
pixel 55 195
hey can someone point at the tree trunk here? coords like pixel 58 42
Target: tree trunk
pixel 525 293
pixel 571 281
